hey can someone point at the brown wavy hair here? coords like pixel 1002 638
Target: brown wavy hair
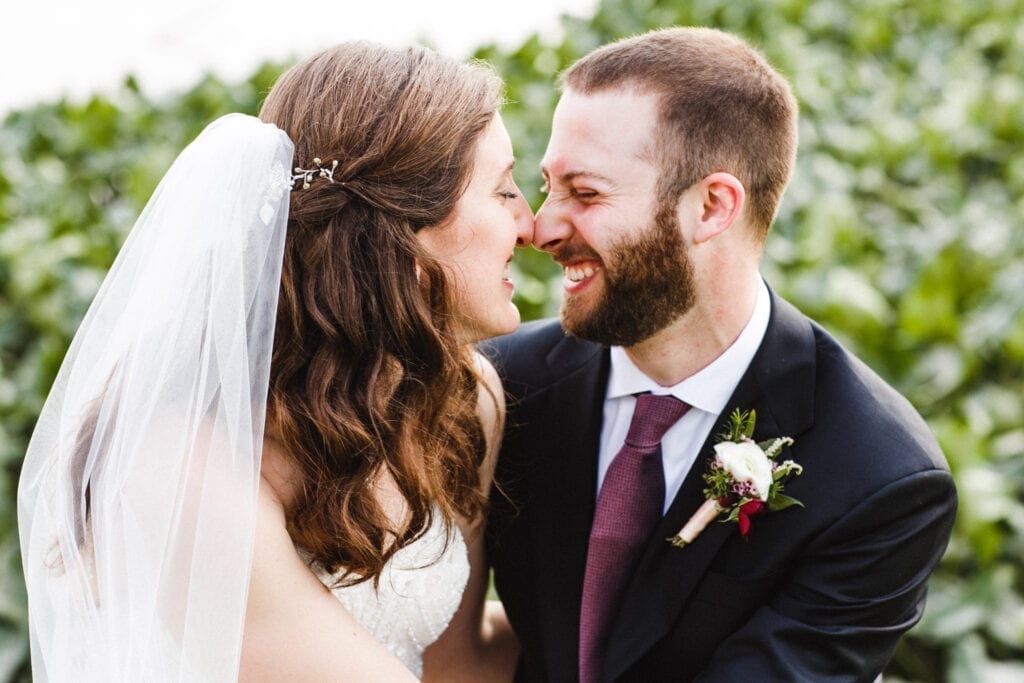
pixel 368 373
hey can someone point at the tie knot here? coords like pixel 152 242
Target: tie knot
pixel 652 417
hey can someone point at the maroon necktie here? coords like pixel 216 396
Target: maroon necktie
pixel 629 506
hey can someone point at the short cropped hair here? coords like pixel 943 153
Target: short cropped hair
pixel 722 107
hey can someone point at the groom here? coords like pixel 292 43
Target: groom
pixel 668 156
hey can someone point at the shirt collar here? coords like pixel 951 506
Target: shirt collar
pixel 710 388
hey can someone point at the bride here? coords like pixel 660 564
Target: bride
pixel 267 452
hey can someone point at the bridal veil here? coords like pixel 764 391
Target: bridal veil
pixel 137 497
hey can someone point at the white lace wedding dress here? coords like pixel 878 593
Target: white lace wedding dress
pixel 419 591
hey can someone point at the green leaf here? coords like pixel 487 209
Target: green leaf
pixel 748 424
pixel 781 501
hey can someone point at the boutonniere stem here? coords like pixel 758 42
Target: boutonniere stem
pixel 705 514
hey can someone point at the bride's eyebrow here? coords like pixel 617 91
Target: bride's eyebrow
pixel 508 169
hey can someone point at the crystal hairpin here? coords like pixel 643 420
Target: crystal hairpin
pixel 308 175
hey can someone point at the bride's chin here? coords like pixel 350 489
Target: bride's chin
pixel 493 328
pixel 511 323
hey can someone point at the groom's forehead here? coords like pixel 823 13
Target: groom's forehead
pixel 619 110
pixel 590 130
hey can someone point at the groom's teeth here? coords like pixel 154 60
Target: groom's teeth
pixel 578 274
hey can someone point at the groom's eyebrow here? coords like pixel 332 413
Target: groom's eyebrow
pixel 570 176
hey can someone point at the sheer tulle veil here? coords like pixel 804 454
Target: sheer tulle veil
pixel 137 497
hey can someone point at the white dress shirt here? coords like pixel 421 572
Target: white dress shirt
pixel 707 392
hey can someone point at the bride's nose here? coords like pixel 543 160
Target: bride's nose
pixel 524 223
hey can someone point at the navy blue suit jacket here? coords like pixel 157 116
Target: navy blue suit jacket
pixel 819 593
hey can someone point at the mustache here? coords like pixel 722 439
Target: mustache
pixel 575 252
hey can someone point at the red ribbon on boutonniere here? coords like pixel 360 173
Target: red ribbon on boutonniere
pixel 743 480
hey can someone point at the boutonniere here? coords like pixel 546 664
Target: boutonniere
pixel 743 480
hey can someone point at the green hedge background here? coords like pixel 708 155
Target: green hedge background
pixel 901 233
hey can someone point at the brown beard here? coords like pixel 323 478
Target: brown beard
pixel 648 284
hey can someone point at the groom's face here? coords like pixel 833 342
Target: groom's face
pixel 627 272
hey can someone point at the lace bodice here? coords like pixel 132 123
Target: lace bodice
pixel 419 591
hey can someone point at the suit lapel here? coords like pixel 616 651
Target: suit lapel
pixel 564 484
pixel 779 386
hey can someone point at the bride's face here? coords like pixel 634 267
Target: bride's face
pixel 475 245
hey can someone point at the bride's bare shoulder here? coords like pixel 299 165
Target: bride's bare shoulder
pixel 294 626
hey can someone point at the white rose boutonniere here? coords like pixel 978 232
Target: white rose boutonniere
pixel 743 480
pixel 749 467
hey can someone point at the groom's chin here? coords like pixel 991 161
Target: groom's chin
pixel 596 323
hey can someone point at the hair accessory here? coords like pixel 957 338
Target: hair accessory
pixel 308 175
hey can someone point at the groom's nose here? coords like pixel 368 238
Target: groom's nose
pixel 551 226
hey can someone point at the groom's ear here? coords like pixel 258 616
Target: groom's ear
pixel 722 197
